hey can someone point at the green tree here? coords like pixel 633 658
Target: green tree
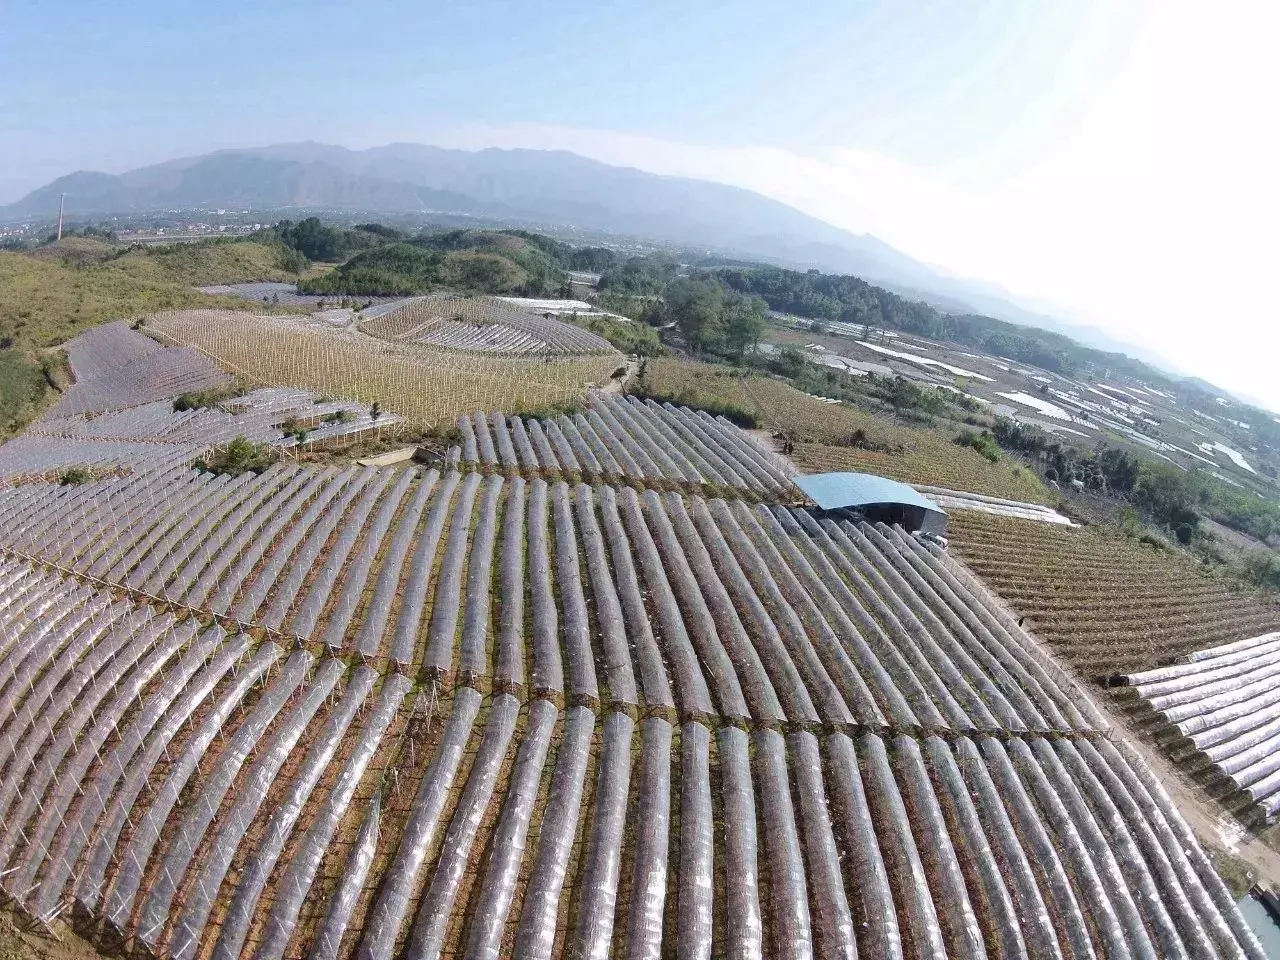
pixel 1168 493
pixel 744 320
pixel 1119 468
pixel 639 275
pixel 239 456
pixel 655 314
pixel 696 304
pixel 313 239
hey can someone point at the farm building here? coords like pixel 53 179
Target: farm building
pixel 876 498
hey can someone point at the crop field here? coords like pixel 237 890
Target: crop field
pixel 117 367
pixel 931 461
pixel 1087 408
pixel 627 440
pixel 582 721
pixel 260 416
pixel 283 294
pixel 1106 602
pixel 426 387
pixel 958 500
pixel 484 325
pixel 486 710
pixel 1216 712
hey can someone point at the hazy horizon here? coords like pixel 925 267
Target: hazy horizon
pixel 1111 160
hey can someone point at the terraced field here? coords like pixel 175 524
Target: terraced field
pixel 117 367
pixel 1106 602
pixel 260 415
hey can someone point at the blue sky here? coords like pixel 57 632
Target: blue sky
pixel 1112 159
pixel 112 85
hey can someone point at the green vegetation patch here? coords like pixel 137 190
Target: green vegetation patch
pixel 403 269
pixel 983 442
pixel 201 399
pixel 239 456
pixel 22 386
pixel 390 263
pixel 75 476
pixel 629 337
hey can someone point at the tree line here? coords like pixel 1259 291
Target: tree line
pixel 827 298
pixel 1175 498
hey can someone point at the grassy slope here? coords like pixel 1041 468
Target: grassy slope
pixel 205 263
pixel 55 293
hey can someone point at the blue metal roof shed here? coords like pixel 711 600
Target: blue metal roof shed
pixel 878 497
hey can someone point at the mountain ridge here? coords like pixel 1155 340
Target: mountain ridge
pixel 538 187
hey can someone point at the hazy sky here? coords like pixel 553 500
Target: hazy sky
pixel 1117 160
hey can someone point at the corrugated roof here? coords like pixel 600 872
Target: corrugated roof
pixel 832 491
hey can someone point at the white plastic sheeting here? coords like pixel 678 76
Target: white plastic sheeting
pixel 1220 712
pixel 667 808
pixel 626 438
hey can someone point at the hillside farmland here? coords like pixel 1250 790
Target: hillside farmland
pixel 427 386
pixel 1106 602
pixel 824 433
pixel 481 708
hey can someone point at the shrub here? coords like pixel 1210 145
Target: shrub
pixel 633 337
pixel 241 455
pixel 1261 567
pixel 74 476
pixel 982 442
pixel 199 399
pixel 860 441
pixel 56 368
pixel 1153 540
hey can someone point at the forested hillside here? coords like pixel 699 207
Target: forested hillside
pixel 390 262
pixel 831 297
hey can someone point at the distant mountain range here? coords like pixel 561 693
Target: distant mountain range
pixel 532 187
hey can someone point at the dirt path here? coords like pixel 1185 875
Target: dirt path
pixel 19 944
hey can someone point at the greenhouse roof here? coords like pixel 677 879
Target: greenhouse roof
pixel 834 491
